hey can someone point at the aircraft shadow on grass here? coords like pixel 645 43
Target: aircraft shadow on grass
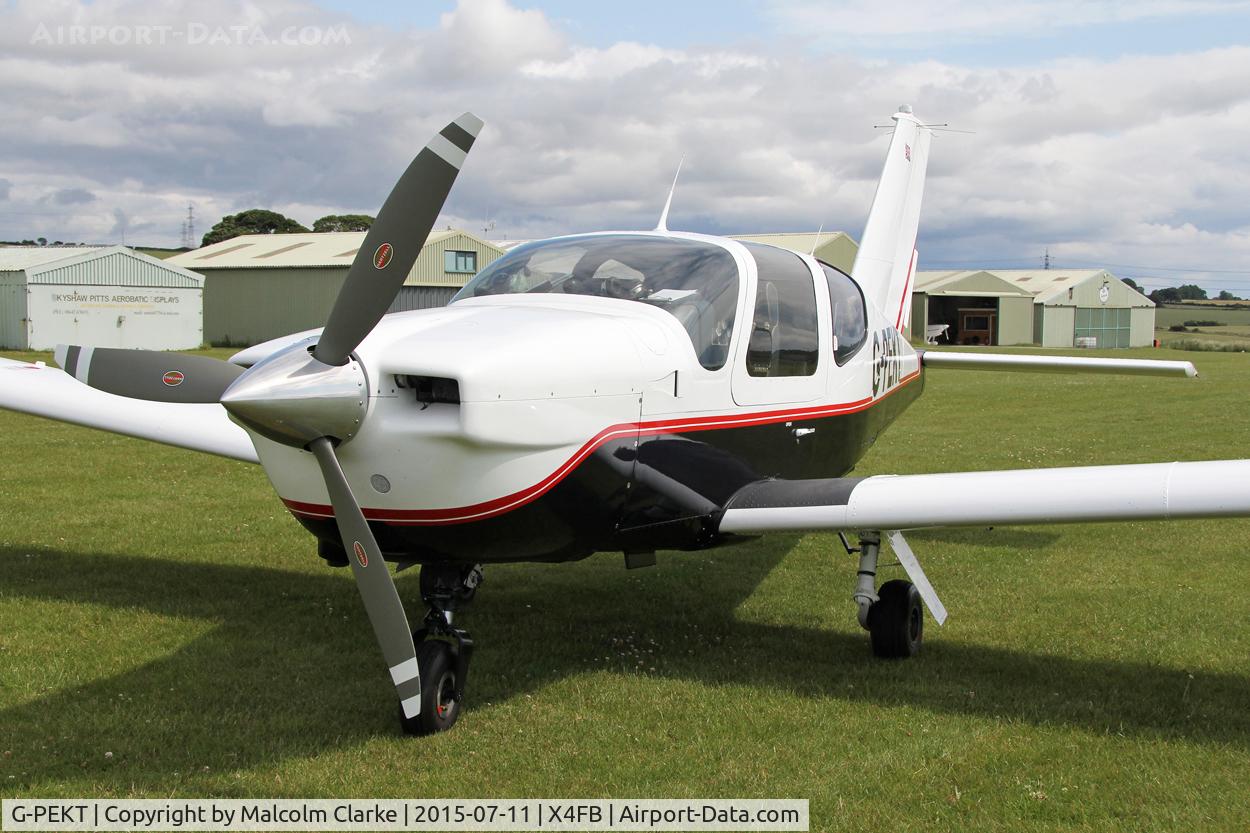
pixel 202 705
pixel 965 537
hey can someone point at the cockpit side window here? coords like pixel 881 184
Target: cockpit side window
pixel 784 338
pixel 850 318
pixel 695 282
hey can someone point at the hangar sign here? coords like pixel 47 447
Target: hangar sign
pixel 154 319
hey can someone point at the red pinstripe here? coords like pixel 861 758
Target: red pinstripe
pixel 683 425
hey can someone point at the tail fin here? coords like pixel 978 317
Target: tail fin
pixel 884 267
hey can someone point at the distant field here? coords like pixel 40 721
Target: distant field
pixel 1214 303
pixel 1167 316
pixel 167 630
pixel 1206 338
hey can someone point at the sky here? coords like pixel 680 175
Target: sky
pixel 1109 134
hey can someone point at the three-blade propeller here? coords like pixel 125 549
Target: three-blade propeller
pixel 315 399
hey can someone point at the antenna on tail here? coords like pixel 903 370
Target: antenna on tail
pixel 663 224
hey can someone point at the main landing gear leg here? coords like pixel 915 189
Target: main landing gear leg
pixel 443 651
pixel 892 615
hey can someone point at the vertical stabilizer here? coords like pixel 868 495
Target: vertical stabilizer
pixel 885 265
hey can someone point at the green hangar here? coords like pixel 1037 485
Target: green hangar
pixel 833 247
pixel 261 286
pixel 1046 307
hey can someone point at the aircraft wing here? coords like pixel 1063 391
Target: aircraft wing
pixel 1156 491
pixel 251 355
pixel 49 392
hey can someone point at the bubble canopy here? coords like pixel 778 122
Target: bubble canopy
pixel 694 281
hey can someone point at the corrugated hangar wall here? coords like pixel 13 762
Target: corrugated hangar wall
pixel 249 304
pixel 105 296
pixel 13 310
pixel 242 308
pixel 429 271
pixel 423 297
pixel 1015 321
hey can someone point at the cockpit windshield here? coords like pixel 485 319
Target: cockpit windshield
pixel 695 282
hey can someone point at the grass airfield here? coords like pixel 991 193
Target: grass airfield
pixel 166 629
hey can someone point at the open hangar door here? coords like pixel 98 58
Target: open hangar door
pixel 968 319
pixel 973 308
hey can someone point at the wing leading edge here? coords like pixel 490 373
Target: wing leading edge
pixel 1055 364
pixel 1153 491
pixel 48 392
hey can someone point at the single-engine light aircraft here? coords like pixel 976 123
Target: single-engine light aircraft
pixel 619 391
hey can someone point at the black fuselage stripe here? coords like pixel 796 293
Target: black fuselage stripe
pixel 790 494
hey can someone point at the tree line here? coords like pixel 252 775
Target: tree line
pixel 1188 292
pixel 263 221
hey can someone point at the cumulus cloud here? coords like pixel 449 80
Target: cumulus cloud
pixel 482 38
pixel 120 224
pixel 1120 160
pixel 70 196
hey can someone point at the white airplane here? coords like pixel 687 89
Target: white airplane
pixel 623 391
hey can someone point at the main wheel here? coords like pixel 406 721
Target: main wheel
pixel 896 620
pixel 439 705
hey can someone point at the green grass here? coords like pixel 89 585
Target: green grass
pixel 160 605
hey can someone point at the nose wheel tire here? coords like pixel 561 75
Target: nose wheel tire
pixel 896 620
pixel 439 704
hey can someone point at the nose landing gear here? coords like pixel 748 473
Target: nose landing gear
pixel 443 651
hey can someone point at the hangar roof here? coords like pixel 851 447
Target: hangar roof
pixel 15 258
pixel 309 249
pixel 1045 285
pixel 834 247
pixel 94 266
pixel 971 282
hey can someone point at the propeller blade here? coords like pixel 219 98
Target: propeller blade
pixel 395 240
pixel 148 374
pixel 373 578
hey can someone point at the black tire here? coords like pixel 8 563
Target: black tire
pixel 896 620
pixel 439 705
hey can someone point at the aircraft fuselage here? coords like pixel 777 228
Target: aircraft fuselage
pixel 545 425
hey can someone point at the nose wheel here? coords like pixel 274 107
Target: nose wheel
pixel 440 694
pixel 443 651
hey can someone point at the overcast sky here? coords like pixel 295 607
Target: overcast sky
pixel 1114 134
